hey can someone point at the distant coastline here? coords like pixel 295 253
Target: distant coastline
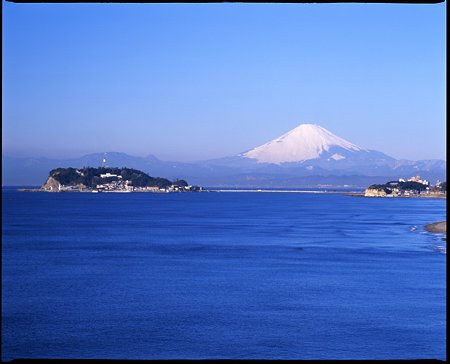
pixel 219 190
pixel 331 192
pixel 283 191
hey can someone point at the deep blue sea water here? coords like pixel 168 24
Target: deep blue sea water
pixel 221 275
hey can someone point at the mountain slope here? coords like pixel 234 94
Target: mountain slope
pixel 312 151
pixel 305 142
pixel 307 155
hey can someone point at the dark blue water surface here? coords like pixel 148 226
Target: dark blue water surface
pixel 221 275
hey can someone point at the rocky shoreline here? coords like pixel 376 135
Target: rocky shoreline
pixel 437 227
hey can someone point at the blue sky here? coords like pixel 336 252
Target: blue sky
pixel 198 81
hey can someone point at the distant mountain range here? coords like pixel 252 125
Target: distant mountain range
pixel 307 156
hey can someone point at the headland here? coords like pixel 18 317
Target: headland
pixel 413 187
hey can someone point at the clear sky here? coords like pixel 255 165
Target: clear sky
pixel 198 81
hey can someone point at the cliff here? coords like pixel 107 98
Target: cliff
pixel 51 185
pixel 375 192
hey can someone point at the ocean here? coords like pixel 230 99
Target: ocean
pixel 221 275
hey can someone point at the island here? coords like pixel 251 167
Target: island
pixel 413 187
pixel 107 179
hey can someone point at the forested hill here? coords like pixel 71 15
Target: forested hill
pixel 91 177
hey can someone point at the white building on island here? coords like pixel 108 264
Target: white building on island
pixel 107 175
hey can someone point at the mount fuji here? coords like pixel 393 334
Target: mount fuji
pixel 316 145
pixel 307 156
pixel 311 155
pixel 310 147
pixel 309 142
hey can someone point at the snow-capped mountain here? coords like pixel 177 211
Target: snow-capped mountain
pixel 310 151
pixel 305 142
pixel 313 145
pixel 308 155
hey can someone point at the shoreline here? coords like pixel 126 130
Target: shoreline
pixel 94 191
pixel 437 227
pixel 435 196
pixel 283 191
pixel 347 193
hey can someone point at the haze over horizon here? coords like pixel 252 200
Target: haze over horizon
pixel 189 82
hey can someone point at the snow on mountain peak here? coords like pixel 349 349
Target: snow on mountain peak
pixel 307 141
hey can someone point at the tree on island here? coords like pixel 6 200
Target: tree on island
pixel 91 177
pixel 180 183
pixel 402 186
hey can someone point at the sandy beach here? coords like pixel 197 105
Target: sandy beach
pixel 437 227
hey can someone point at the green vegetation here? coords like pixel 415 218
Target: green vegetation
pixel 180 183
pixel 90 177
pixel 401 186
pixel 413 187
